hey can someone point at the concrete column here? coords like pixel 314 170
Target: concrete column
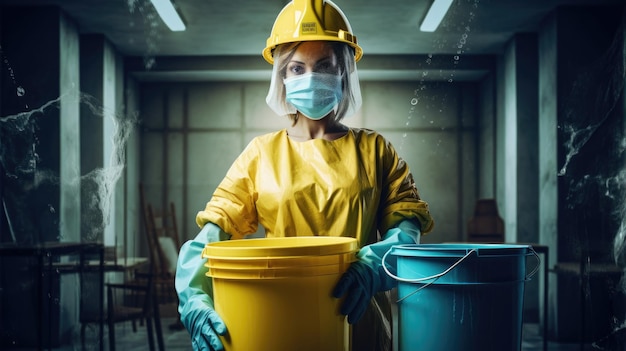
pixel 92 134
pixel 101 117
pixel 519 191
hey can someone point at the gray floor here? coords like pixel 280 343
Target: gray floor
pixel 178 340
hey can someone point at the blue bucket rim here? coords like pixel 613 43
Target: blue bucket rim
pixel 460 250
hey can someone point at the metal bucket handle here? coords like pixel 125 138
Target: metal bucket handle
pixel 433 278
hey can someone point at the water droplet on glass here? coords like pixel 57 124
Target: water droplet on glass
pixel 149 62
pixel 20 91
pixel 414 101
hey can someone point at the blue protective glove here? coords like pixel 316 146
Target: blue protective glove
pixel 366 276
pixel 193 287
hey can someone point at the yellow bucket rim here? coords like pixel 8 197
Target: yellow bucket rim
pixel 278 262
pixel 281 247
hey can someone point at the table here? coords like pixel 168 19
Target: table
pixel 124 264
pixel 46 255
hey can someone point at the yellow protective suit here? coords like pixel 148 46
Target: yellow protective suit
pixel 351 186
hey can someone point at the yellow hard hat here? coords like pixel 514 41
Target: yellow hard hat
pixel 308 20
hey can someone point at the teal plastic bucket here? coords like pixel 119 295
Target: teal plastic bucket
pixel 460 296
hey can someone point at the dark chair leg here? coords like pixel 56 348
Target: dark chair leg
pixel 82 336
pixel 112 336
pixel 150 333
pixel 157 324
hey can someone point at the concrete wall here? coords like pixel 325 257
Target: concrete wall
pixel 193 132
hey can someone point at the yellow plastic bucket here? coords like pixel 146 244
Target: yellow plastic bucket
pixel 276 293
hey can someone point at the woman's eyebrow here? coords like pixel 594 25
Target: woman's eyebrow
pixel 323 59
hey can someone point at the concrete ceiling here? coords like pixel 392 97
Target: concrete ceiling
pixel 230 28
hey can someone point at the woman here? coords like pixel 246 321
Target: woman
pixel 316 177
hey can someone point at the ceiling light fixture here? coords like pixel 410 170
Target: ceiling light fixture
pixel 435 14
pixel 169 15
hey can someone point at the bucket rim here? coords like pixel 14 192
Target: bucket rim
pixel 281 246
pixel 278 262
pixel 278 258
pixel 460 249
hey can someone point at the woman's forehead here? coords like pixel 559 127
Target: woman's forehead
pixel 314 50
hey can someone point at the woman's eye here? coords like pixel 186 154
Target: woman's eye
pixel 326 67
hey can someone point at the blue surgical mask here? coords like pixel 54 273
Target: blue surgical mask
pixel 314 94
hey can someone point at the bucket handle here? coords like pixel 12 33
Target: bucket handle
pixel 433 278
pixel 534 253
pixel 419 280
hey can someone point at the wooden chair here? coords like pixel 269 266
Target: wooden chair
pixel 119 309
pixel 163 241
pixel 485 226
pixel 165 247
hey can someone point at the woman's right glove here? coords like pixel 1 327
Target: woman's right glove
pixel 193 286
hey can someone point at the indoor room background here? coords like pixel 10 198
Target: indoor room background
pixel 537 125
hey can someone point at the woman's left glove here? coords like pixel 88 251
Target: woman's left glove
pixel 366 276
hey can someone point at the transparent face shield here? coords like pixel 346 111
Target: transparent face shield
pixel 351 92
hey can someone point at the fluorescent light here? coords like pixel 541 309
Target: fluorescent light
pixel 435 14
pixel 168 14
